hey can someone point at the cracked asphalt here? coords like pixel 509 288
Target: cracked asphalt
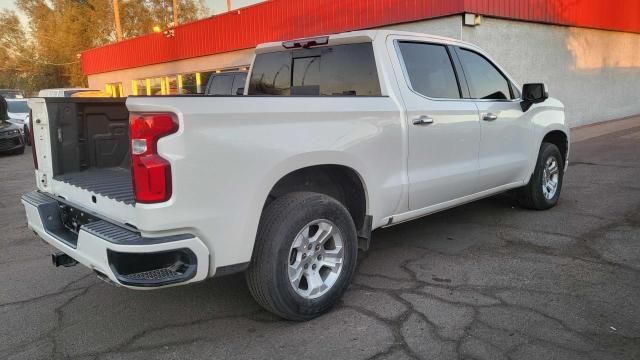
pixel 487 280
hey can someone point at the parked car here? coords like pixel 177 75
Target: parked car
pixel 91 93
pixel 61 92
pixel 227 83
pixel 11 93
pixel 340 135
pixel 18 112
pixel 11 136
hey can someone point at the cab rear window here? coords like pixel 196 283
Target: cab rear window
pixel 341 70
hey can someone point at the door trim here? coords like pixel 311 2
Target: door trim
pixel 418 213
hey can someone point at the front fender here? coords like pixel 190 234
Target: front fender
pixel 545 117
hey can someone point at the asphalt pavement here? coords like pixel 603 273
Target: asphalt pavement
pixel 487 280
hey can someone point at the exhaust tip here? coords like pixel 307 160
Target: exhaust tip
pixel 62 259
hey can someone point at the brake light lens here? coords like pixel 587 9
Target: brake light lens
pixel 306 43
pixel 33 143
pixel 151 174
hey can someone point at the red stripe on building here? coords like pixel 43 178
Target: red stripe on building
pixel 286 19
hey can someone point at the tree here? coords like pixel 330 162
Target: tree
pixel 46 54
pixel 14 51
pixel 140 16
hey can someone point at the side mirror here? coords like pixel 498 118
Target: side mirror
pixel 533 94
pixel 240 91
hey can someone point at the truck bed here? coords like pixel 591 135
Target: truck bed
pixel 113 183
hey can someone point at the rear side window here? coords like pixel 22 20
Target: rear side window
pixel 485 81
pixel 342 70
pixel 430 70
pixel 238 84
pixel 221 85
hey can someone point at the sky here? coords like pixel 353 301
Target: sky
pixel 216 6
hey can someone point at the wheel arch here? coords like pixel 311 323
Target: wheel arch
pixel 339 181
pixel 560 139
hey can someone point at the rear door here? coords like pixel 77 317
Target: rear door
pixel 503 156
pixel 443 128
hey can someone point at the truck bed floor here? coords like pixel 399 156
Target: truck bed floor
pixel 113 183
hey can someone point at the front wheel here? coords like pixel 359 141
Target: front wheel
pixel 304 256
pixel 19 151
pixel 543 190
pixel 27 138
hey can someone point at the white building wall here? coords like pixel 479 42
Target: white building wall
pixel 595 73
pixel 200 64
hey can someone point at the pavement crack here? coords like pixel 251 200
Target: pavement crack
pixel 126 346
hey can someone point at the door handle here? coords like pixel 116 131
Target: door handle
pixel 489 117
pixel 422 120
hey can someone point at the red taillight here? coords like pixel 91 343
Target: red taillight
pixel 151 173
pixel 306 43
pixel 33 143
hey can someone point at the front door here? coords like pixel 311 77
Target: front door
pixel 504 128
pixel 443 129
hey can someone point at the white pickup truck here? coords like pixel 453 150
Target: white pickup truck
pixel 335 136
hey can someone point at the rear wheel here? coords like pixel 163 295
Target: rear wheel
pixel 19 151
pixel 304 257
pixel 543 190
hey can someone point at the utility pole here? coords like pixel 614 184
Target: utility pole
pixel 116 15
pixel 228 5
pixel 175 12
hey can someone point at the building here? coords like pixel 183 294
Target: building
pixel 587 51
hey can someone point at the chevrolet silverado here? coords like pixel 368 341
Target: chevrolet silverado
pixel 335 136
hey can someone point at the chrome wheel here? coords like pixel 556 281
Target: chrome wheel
pixel 550 177
pixel 315 259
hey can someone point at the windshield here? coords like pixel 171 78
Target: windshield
pixel 18 107
pixel 11 94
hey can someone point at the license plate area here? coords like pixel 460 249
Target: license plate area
pixel 72 219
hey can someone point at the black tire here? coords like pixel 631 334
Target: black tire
pixel 27 139
pixel 19 151
pixel 532 196
pixel 280 223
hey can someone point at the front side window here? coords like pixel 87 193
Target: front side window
pixel 430 70
pixel 485 81
pixel 341 70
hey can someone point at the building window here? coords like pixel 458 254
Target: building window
pixel 178 84
pixel 156 86
pixel 194 83
pixel 170 85
pixel 189 83
pixel 139 87
pixel 114 89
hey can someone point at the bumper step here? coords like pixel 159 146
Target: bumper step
pixel 153 275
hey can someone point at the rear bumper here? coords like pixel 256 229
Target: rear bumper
pixel 123 255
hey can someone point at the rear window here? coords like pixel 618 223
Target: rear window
pixel 342 70
pixel 17 107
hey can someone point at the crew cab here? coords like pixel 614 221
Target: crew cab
pixel 335 136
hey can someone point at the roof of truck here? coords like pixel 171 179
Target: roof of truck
pixel 364 36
